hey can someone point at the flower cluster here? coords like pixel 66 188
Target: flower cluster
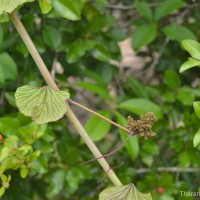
pixel 143 126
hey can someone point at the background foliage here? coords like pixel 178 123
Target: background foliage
pixel 78 40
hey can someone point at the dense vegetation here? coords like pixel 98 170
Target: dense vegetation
pixel 79 43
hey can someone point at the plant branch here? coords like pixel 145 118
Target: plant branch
pixel 168 169
pixel 47 76
pixel 99 115
pixel 112 152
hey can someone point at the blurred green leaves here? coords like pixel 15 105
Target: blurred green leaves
pixel 167 7
pixel 49 35
pixel 8 68
pixel 144 35
pixel 173 32
pixel 141 106
pixel 96 127
pixel 193 49
pixel 69 9
pixel 5 180
pixel 132 145
pixel 45 6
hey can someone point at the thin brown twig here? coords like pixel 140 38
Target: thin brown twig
pixel 99 115
pixel 112 152
pixel 156 4
pixel 168 169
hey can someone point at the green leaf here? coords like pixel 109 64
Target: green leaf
pixel 184 159
pixel 132 145
pixel 24 172
pixel 172 79
pixel 144 35
pixel 57 182
pixel 192 62
pixel 96 127
pixel 40 164
pixel 42 104
pixel 98 23
pixel 9 125
pixel 125 192
pixel 137 87
pixel 69 9
pixel 45 6
pixel 9 6
pixel 168 197
pixel 186 96
pixel 192 47
pixel 147 159
pixel 167 7
pixel 141 106
pixel 4 18
pixel 5 152
pixel 100 90
pixel 2 78
pixel 178 32
pixel 196 106
pixel 8 65
pixel 144 9
pixel 78 49
pixel 52 37
pixel 196 140
pixel 2 191
pixel 101 53
pixel 10 98
pixel 1 35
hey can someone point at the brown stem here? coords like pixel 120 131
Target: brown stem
pixel 112 152
pixel 99 115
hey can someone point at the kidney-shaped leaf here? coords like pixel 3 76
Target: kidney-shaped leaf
pixel 7 6
pixel 126 192
pixel 42 104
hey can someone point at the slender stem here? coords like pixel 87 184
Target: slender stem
pixel 168 169
pixel 47 76
pixel 99 115
pixel 112 152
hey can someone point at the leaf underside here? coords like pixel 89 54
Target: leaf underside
pixel 126 192
pixel 42 104
pixel 7 6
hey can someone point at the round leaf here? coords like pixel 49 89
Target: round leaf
pixel 10 5
pixel 126 192
pixel 42 104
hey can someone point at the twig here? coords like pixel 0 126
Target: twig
pixel 99 115
pixel 168 169
pixel 129 7
pixel 112 152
